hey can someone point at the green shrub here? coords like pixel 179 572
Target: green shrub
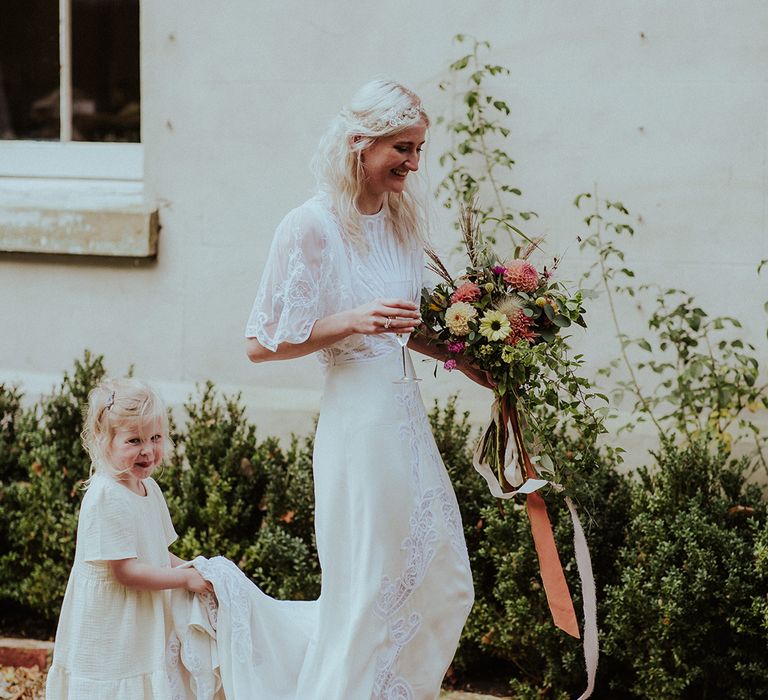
pixel 41 507
pixel 213 486
pixel 10 417
pixel 685 619
pixel 680 553
pixel 510 624
pixel 249 501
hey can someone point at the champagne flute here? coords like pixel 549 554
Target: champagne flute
pixel 403 289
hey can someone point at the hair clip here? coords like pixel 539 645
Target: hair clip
pixel 110 401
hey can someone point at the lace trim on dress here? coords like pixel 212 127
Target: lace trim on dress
pixel 419 545
pixel 450 506
pixel 420 548
pixel 388 686
pixel 232 583
pixel 181 656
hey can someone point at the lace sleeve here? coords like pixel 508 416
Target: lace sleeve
pixel 289 298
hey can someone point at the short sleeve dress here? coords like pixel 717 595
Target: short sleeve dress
pixel 110 641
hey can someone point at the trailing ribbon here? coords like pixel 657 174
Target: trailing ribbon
pixel 508 455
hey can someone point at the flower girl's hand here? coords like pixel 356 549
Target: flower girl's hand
pixel 385 316
pixel 196 583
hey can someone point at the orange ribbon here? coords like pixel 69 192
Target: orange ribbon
pixel 552 576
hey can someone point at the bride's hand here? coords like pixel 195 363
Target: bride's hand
pixel 385 316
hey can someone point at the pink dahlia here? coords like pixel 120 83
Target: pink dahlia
pixel 450 365
pixel 521 275
pixel 468 291
pixel 521 329
pixel 456 347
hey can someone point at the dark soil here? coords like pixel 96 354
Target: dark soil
pixel 21 622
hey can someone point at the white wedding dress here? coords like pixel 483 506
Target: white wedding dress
pixel 396 584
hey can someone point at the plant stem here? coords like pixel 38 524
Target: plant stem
pixel 484 148
pixel 617 327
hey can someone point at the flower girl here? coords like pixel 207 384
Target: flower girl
pixel 115 620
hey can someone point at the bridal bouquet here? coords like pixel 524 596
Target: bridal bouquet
pixel 505 316
pixel 502 315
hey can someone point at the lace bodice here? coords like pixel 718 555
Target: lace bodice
pixel 312 272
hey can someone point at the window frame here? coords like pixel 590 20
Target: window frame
pixel 57 178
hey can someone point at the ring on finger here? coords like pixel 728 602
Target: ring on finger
pixel 387 321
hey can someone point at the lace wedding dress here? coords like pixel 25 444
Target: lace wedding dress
pixel 396 584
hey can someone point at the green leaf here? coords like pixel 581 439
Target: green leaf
pixel 501 106
pixel 577 201
pixel 644 344
pixel 461 64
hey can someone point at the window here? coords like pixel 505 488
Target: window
pixel 95 96
pixel 71 161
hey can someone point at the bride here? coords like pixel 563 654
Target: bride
pixel 342 280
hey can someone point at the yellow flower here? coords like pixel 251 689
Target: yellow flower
pixel 437 301
pixel 458 316
pixel 494 325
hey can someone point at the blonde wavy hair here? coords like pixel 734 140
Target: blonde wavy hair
pixel 379 109
pixel 114 404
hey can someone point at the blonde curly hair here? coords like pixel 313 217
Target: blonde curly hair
pixel 379 109
pixel 113 404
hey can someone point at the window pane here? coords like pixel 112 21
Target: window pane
pixel 29 69
pixel 105 70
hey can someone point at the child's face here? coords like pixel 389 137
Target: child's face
pixel 138 449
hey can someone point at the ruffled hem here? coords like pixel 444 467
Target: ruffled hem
pixel 63 685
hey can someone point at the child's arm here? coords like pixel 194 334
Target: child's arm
pixel 133 574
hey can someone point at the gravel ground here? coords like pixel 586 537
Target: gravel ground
pixel 21 683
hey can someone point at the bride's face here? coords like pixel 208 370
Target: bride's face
pixel 388 162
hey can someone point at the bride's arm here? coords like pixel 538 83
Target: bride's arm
pixel 426 342
pixel 369 319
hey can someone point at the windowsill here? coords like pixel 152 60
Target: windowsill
pixel 76 199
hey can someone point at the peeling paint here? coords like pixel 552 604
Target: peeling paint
pixel 113 233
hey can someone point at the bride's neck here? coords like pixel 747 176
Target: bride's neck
pixel 368 203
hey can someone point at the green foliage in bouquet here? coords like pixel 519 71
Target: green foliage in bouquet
pixel 505 317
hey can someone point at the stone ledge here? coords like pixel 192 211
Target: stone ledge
pixel 123 233
pixel 25 652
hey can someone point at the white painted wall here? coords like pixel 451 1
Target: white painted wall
pixel 661 104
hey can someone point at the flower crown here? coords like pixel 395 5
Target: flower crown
pixel 393 118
